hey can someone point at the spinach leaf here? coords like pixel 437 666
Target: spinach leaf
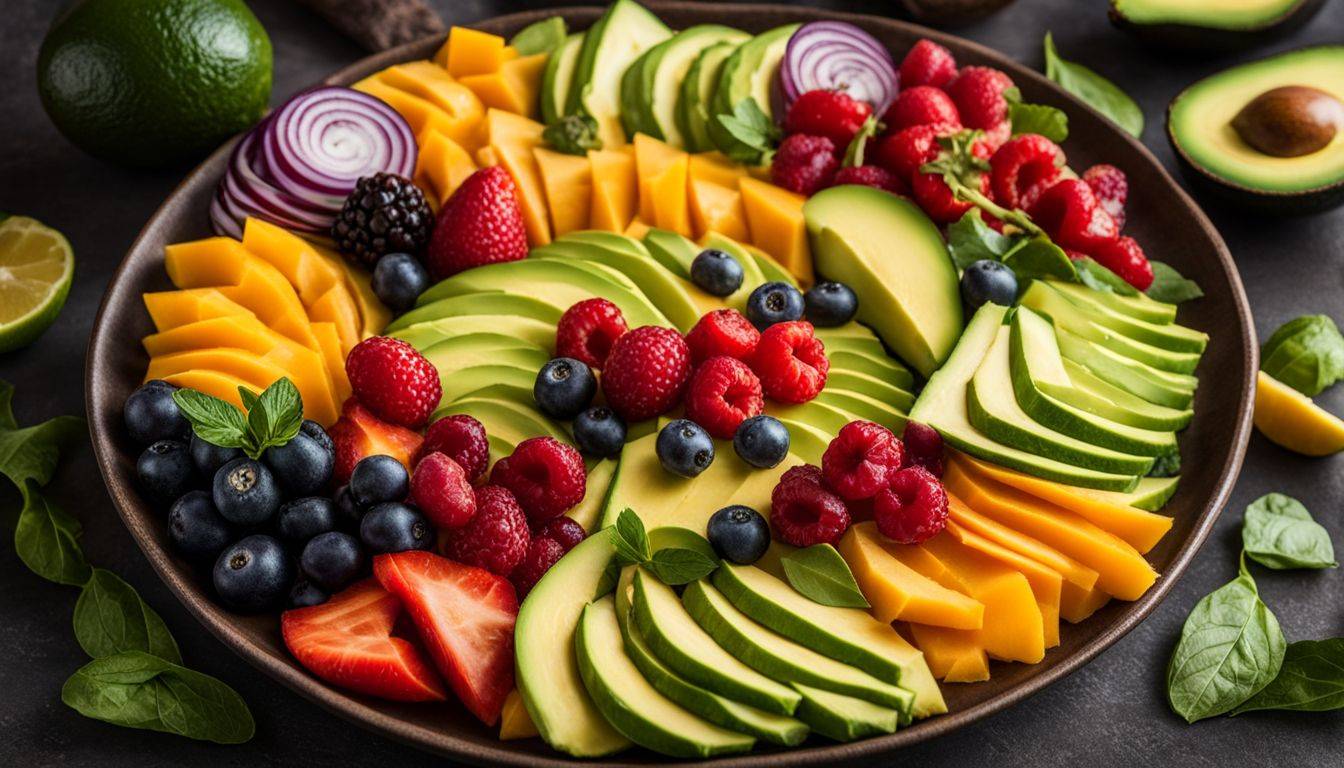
pixel 1230 648
pixel 1310 680
pixel 970 239
pixel 47 541
pixel 1306 353
pixel 539 37
pixel 31 453
pixel 110 618
pixel 1037 257
pixel 1098 92
pixel 1278 532
pixel 1045 120
pixel 1169 286
pixel 137 690
pixel 676 565
pixel 820 574
pixel 1099 278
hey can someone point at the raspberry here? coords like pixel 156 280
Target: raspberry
pixel 565 530
pixel 802 513
pixel 463 439
pixel 861 460
pixel 724 332
pixel 1111 187
pixel 441 489
pixel 1023 168
pixel 923 447
pixel 927 63
pixel 804 164
pixel 392 379
pixel 495 539
pixel 790 362
pixel 905 151
pixel 1070 214
pixel 921 105
pixel 588 330
pixel 809 472
pixel 833 114
pixel 545 475
pixel 978 94
pixel 873 176
pixel 913 509
pixel 541 554
pixel 646 372
pixel 722 394
pixel 1124 257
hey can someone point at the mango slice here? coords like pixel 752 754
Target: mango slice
pixel 714 199
pixel 615 189
pixel 775 218
pixel 567 181
pixel 442 166
pixel 1291 420
pixel 1045 583
pixel 512 139
pixel 897 592
pixel 953 655
pixel 1076 604
pixel 988 528
pixel 472 52
pixel 170 309
pixel 220 385
pixel 514 722
pixel 329 344
pixel 662 172
pixel 514 87
pixel 258 371
pixel 432 100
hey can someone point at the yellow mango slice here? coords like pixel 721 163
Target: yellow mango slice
pixel 715 202
pixel 775 218
pixel 514 87
pixel 170 309
pixel 221 385
pixel 512 138
pixel 1291 420
pixel 442 166
pixel 1077 604
pixel 637 230
pixel 568 183
pixel 662 171
pixel 419 113
pixel 329 344
pixel 897 592
pixel 338 308
pixel 969 519
pixel 258 372
pixel 615 189
pixel 1045 583
pixel 310 274
pixel 953 655
pixel 514 721
pixel 465 115
pixel 373 314
pixel 472 52
pixel 716 168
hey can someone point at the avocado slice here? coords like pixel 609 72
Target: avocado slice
pixel 525 330
pixel 806 440
pixel 872 386
pixel 1151 494
pixel 651 86
pixel 844 718
pixel 609 240
pixel 827 418
pixel 667 292
pixel 1211 24
pixel 557 77
pixel 882 367
pixel 473 380
pixel 1138 306
pixel 1091 394
pixel 483 349
pixel 494 303
pixel 671 250
pixel 512 421
pixel 1158 387
pixel 1169 336
pixel 624 32
pixel 864 407
pixel 588 511
pixel 749 73
pixel 696 92
pixel 752 277
pixel 910 295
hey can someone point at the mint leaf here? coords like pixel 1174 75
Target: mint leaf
pixel 820 574
pixel 213 420
pixel 573 134
pixel 281 414
pixel 970 239
pixel 110 618
pixel 676 566
pixel 1169 286
pixel 629 539
pixel 1311 679
pixel 1096 91
pixel 753 132
pixel 47 541
pixel 1037 258
pixel 1278 532
pixel 29 455
pixel 1041 119
pixel 248 397
pixel 1099 278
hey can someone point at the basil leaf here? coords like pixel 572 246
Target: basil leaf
pixel 30 454
pixel 675 566
pixel 1042 119
pixel 539 37
pixel 970 239
pixel 1230 648
pixel 47 541
pixel 1306 353
pixel 1169 286
pixel 1098 92
pixel 629 539
pixel 213 420
pixel 1278 532
pixel 137 690
pixel 820 574
pixel 281 414
pixel 1310 680
pixel 1039 258
pixel 1099 278
pixel 110 618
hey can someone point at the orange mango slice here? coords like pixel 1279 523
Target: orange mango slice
pixel 775 218
pixel 512 139
pixel 338 308
pixel 514 87
pixel 953 655
pixel 987 527
pixel 221 385
pixel 1077 604
pixel 514 721
pixel 329 344
pixel 170 309
pixel 615 189
pixel 662 171
pixel 897 592
pixel 442 166
pixel 567 181
pixel 1291 420
pixel 714 199
pixel 1045 583
pixel 472 52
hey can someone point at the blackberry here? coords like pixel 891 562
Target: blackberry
pixel 385 213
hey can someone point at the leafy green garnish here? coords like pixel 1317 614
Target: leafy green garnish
pixel 821 575
pixel 970 239
pixel 961 170
pixel 111 618
pixel 272 419
pixel 1037 258
pixel 1310 680
pixel 47 541
pixel 1170 286
pixel 754 133
pixel 1099 278
pixel 573 134
pixel 671 565
pixel 1306 353
pixel 1041 119
pixel 1278 532
pixel 539 37
pixel 1098 92
pixel 30 454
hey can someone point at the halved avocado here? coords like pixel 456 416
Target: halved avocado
pixel 1211 24
pixel 1215 155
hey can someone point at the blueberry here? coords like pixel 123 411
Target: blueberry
pixel 377 479
pixel 347 511
pixel 254 574
pixel 716 273
pixel 739 534
pixel 987 280
pixel 332 560
pixel 151 415
pixel 600 432
pixel 245 492
pixel 302 466
pixel 209 457
pixel 771 303
pixel 395 527
pixel 761 441
pixel 684 448
pixel 196 528
pixel 398 280
pixel 564 388
pixel 830 304
pixel 165 472
pixel 305 595
pixel 315 431
pixel 302 519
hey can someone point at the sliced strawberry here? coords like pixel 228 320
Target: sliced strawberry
pixel 465 616
pixel 348 642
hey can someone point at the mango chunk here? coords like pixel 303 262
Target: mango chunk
pixel 970 520
pixel 421 114
pixel 1291 420
pixel 373 314
pixel 953 655
pixel 568 183
pixel 514 87
pixel 221 385
pixel 512 139
pixel 716 168
pixel 715 202
pixel 637 230
pixel 170 309
pixel 472 52
pixel 1077 604
pixel 442 166
pixel 514 721
pixel 338 308
pixel 310 275
pixel 433 84
pixel 897 592
pixel 775 218
pixel 662 171
pixel 329 344
pixel 615 189
pixel 1045 583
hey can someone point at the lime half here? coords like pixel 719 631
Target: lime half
pixel 36 265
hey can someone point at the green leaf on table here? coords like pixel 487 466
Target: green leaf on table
pixel 970 239
pixel 1098 92
pixel 820 574
pixel 1306 353
pixel 539 37
pixel 1037 257
pixel 47 541
pixel 1099 278
pixel 111 618
pixel 212 419
pixel 1278 532
pixel 29 454
pixel 277 415
pixel 629 539
pixel 675 566
pixel 1170 286
pixel 1310 680
pixel 1041 119
pixel 138 690
pixel 754 133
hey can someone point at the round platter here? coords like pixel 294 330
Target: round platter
pixel 1165 219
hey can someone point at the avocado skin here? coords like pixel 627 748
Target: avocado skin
pixel 1192 37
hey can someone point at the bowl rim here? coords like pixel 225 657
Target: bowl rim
pixel 283 669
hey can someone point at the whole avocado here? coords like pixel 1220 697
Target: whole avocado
pixel 152 83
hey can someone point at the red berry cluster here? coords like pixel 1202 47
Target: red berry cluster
pixel 819 127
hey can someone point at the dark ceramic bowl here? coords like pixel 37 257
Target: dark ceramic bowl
pixel 1163 218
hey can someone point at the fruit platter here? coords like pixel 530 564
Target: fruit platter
pixel 645 384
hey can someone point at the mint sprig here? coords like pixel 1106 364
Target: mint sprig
pixel 754 133
pixel 273 418
pixel 673 566
pixel 573 134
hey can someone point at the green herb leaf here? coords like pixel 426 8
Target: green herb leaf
pixel 962 170
pixel 857 147
pixel 675 566
pixel 1230 648
pixel 629 538
pixel 539 37
pixel 47 541
pixel 1042 119
pixel 1037 258
pixel 573 134
pixel 1310 680
pixel 213 420
pixel 1099 278
pixel 754 133
pixel 1166 465
pixel 1098 92
pixel 137 690
pixel 29 455
pixel 281 414
pixel 248 397
pixel 110 618
pixel 820 574
pixel 1170 286
pixel 1306 353
pixel 970 239
pixel 1278 532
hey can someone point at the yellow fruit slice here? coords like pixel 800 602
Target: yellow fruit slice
pixel 36 266
pixel 1290 419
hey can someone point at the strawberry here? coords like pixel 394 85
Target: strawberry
pixel 358 433
pixel 804 164
pixel 465 617
pixel 921 105
pixel 1070 214
pixel 646 372
pixel 394 380
pixel 927 63
pixel 348 642
pixel 481 223
pixel 978 94
pixel 833 114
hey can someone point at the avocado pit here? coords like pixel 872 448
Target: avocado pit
pixel 1290 121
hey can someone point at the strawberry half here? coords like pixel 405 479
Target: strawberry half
pixel 465 615
pixel 348 642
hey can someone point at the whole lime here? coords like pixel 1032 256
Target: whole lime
pixel 154 82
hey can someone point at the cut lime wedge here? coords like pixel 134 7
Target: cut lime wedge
pixel 36 265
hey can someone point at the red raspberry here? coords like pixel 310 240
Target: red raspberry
pixel 441 489
pixel 463 439
pixel 1111 187
pixel 722 394
pixel 481 223
pixel 873 176
pixel 802 513
pixel 791 362
pixel 588 330
pixel 921 105
pixel 646 372
pixel 923 447
pixel 928 63
pixel 565 530
pixel 1070 213
pixel 495 539
pixel 541 554
pixel 833 114
pixel 937 200
pixel 392 379
pixel 545 475
pixel 809 472
pixel 978 94
pixel 804 164
pixel 913 509
pixel 724 332
pixel 860 460
pixel 1124 257
pixel 1023 168
pixel 905 151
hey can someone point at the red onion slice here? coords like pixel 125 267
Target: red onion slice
pixel 835 55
